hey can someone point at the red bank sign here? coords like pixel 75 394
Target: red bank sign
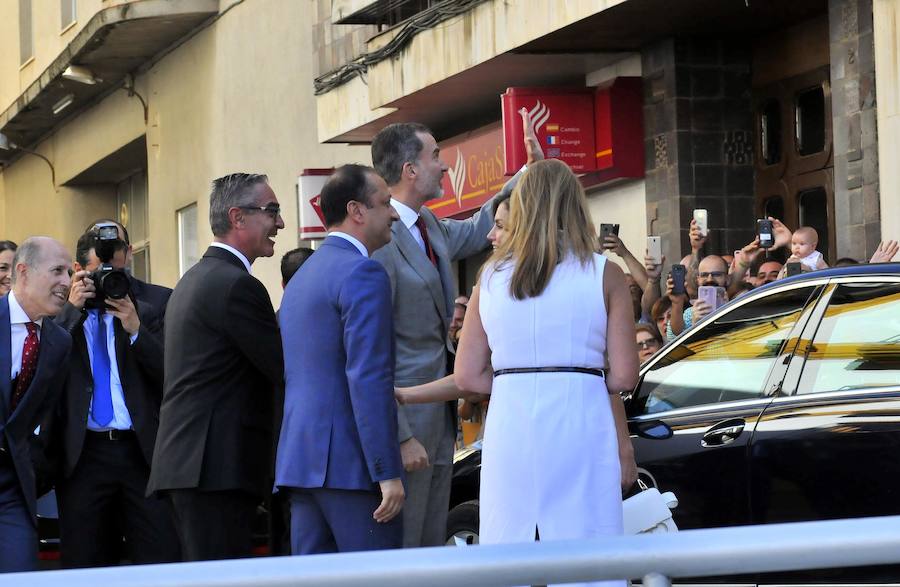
pixel 597 131
pixel 474 170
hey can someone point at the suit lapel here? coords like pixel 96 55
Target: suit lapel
pixel 416 258
pixel 5 359
pixel 46 364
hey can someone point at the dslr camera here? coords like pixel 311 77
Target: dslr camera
pixel 109 282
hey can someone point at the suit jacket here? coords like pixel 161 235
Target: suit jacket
pixel 423 306
pixel 140 371
pixel 340 418
pixel 223 360
pixel 155 297
pixel 17 428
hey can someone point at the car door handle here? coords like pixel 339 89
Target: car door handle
pixel 722 433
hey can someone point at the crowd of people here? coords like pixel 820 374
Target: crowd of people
pixel 661 313
pixel 161 417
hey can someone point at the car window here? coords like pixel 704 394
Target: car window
pixel 728 359
pixel 857 343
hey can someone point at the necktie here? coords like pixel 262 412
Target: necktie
pixel 429 252
pixel 102 404
pixel 30 351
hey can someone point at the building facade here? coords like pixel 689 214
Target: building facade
pixel 133 107
pixel 128 108
pixel 749 108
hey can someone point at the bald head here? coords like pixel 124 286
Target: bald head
pixel 41 276
pixel 713 270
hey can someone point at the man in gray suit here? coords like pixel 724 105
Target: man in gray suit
pixel 417 261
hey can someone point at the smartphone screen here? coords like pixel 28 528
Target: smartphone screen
pixel 654 249
pixel 794 269
pixel 701 217
pixel 765 229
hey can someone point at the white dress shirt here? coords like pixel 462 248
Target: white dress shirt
pixel 18 331
pixel 352 240
pixel 234 252
pixel 121 418
pixel 408 217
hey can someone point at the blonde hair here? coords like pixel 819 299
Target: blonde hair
pixel 548 219
pixel 809 232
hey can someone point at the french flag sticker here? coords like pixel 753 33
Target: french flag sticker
pixel 552 140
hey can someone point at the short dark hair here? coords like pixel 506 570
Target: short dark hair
pixel 394 146
pixel 116 222
pixel 8 246
pixel 88 242
pixel 845 261
pixel 292 260
pixel 348 183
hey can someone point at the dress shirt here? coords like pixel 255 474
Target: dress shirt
pixel 408 217
pixel 18 331
pixel 234 252
pixel 121 418
pixel 352 240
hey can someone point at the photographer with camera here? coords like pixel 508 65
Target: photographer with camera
pixel 152 298
pixel 103 430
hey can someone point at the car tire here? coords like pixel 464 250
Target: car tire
pixel 462 523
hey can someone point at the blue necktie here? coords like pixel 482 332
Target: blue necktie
pixel 102 404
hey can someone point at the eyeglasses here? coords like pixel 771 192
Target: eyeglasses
pixel 647 344
pixel 272 210
pixel 713 274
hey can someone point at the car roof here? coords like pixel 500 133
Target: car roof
pixel 846 271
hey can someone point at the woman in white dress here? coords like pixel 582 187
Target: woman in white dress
pixel 551 338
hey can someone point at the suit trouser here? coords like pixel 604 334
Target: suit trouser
pixel 339 520
pixel 18 533
pixel 214 525
pixel 103 500
pixel 425 510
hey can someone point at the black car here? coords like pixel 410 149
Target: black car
pixel 782 406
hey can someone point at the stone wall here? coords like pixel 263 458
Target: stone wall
pixel 856 199
pixel 698 140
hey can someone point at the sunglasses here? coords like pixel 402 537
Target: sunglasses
pixel 272 210
pixel 647 344
pixel 713 274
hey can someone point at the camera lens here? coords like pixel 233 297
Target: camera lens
pixel 115 285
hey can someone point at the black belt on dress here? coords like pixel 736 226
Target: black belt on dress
pixel 585 370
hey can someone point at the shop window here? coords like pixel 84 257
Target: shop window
pixel 67 12
pixel 770 132
pixel 814 212
pixel 809 120
pixel 774 207
pixel 188 246
pixel 26 43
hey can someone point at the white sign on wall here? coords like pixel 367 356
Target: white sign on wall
pixel 309 186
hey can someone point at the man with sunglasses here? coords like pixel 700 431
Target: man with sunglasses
pixel 223 363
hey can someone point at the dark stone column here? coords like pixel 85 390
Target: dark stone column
pixel 856 204
pixel 698 141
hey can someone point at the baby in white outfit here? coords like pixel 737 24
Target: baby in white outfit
pixel 803 249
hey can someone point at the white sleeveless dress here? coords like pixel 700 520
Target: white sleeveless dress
pixel 550 457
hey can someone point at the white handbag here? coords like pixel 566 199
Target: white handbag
pixel 649 512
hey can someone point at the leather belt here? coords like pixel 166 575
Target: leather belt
pixel 111 435
pixel 585 370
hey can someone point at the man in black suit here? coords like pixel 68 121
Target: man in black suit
pixel 104 427
pixel 32 352
pixel 145 293
pixel 223 362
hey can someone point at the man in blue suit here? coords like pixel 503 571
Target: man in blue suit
pixel 33 354
pixel 338 454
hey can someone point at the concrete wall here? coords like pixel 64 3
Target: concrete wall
pixel 236 97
